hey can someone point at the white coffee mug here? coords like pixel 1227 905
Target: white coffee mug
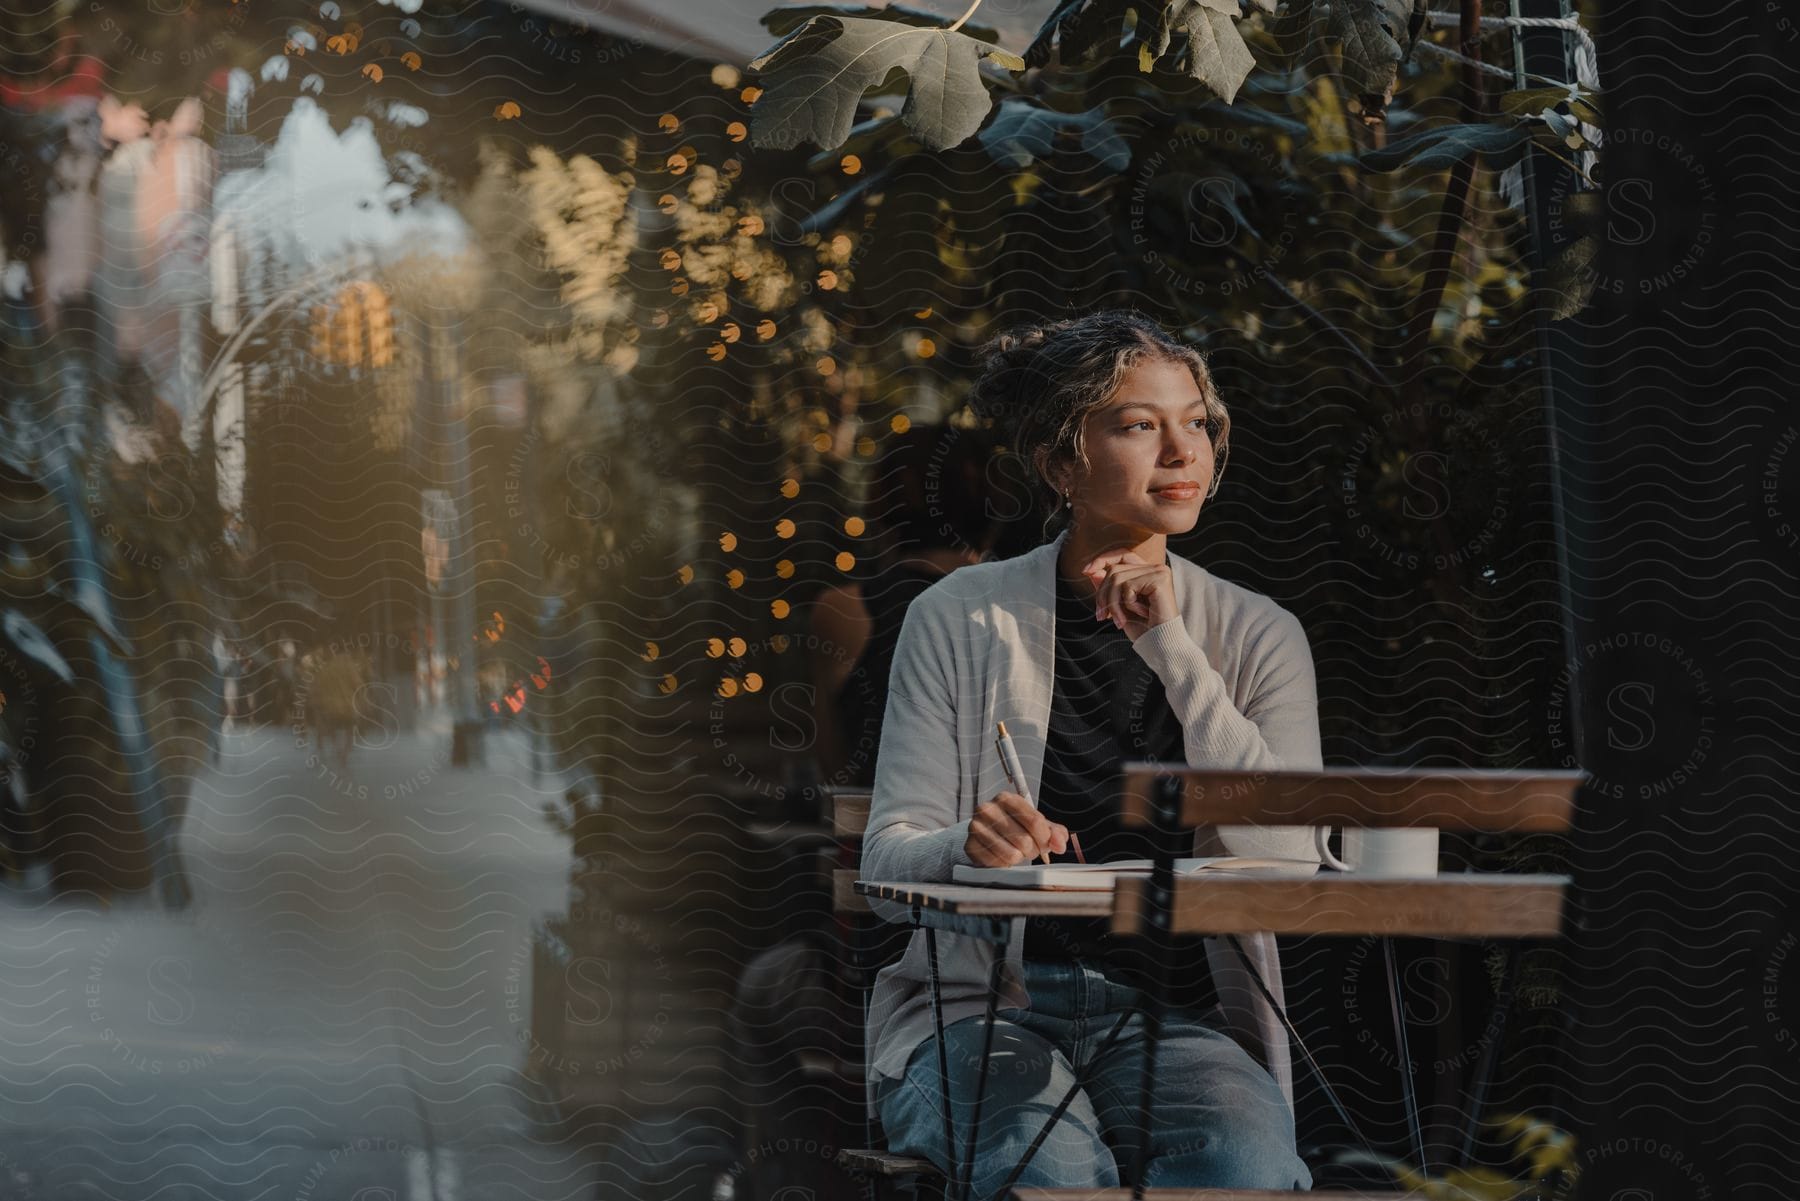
pixel 1404 852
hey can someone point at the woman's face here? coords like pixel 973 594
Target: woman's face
pixel 1151 461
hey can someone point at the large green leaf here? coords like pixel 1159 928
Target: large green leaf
pixel 1077 28
pixel 814 78
pixel 1022 131
pixel 1377 36
pixel 1442 146
pixel 1209 48
pixel 1214 115
pixel 1290 31
pixel 1213 51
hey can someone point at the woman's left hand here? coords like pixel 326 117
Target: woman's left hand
pixel 1136 596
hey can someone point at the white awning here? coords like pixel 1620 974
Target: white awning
pixel 729 30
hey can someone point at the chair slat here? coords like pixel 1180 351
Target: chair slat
pixel 844 897
pixel 870 1162
pixel 1520 802
pixel 1484 905
pixel 849 812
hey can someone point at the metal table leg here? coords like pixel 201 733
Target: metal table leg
pixel 1160 912
pixel 859 938
pixel 987 1049
pixel 1068 1098
pixel 943 1056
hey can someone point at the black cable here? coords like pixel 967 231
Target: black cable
pixel 1400 1045
pixel 1306 1053
pixel 1490 1054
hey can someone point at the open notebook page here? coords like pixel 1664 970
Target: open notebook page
pixel 1099 877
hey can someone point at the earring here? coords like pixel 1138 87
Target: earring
pixel 1067 503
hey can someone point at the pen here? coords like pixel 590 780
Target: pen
pixel 1009 759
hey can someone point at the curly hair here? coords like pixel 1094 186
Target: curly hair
pixel 1039 383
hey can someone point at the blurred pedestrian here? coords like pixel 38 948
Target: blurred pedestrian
pixel 337 679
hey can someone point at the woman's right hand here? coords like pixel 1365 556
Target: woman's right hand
pixel 1007 830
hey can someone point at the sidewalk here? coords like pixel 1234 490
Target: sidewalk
pixel 342 1009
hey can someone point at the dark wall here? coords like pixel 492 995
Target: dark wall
pixel 1680 439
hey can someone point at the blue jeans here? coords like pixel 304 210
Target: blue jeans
pixel 1219 1119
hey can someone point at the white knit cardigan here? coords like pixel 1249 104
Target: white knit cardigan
pixel 977 647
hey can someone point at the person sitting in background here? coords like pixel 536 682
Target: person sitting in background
pixel 935 498
pixel 932 507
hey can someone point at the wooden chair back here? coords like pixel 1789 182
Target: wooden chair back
pixel 1498 905
pixel 849 818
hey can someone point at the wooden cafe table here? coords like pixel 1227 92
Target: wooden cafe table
pixel 1171 800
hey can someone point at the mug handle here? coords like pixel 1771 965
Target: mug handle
pixel 1322 839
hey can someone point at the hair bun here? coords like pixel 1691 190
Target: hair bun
pixel 1013 372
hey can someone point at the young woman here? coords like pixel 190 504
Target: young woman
pixel 1097 647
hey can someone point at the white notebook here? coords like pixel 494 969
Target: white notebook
pixel 1099 877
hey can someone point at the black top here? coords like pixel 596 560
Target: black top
pixel 862 701
pixel 1107 705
